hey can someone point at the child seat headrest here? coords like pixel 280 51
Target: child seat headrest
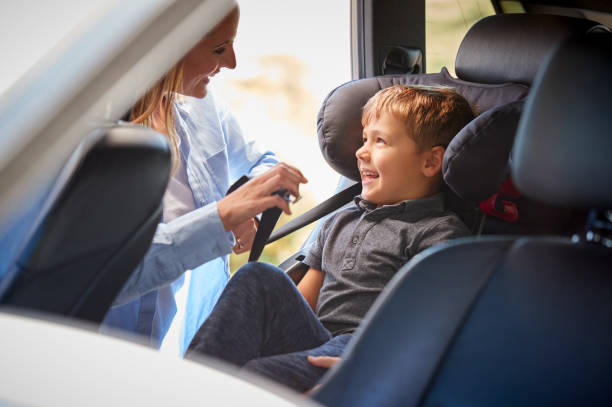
pixel 339 119
pixel 476 162
pixel 511 47
pixel 340 130
pixel 563 150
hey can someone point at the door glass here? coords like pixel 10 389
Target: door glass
pixel 290 55
pixel 446 22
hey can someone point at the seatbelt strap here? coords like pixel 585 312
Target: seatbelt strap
pixel 270 216
pixel 328 206
pixel 268 220
pixel 266 224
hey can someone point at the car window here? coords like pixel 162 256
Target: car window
pixel 446 22
pixel 285 68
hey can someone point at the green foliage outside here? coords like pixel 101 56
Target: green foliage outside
pixel 446 22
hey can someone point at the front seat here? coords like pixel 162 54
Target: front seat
pixel 95 227
pixel 498 321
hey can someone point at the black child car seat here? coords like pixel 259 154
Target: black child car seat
pixel 495 71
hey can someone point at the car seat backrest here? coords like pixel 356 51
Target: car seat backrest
pixel 562 154
pixel 339 119
pixel 511 48
pixel 95 229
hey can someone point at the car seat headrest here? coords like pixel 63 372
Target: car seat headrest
pixel 476 160
pixel 339 119
pixel 511 47
pixel 562 154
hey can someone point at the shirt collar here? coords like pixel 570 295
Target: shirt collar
pixel 432 203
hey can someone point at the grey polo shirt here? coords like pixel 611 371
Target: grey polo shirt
pixel 360 248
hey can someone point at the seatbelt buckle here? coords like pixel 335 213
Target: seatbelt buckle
pixel 286 195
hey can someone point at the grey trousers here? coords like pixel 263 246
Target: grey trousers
pixel 262 324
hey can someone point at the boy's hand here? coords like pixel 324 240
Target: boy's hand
pixel 244 234
pixel 323 361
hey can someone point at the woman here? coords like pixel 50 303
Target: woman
pixel 200 225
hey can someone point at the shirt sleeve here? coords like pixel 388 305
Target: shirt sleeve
pixel 244 155
pixel 446 228
pixel 182 244
pixel 314 257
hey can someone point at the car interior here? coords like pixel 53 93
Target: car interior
pixel 65 270
pixel 519 313
pixel 516 320
pixel 496 88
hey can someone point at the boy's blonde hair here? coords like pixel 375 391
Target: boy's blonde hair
pixel 433 115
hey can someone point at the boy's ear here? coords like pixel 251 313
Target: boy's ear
pixel 432 161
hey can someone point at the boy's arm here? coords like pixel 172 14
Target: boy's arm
pixel 310 285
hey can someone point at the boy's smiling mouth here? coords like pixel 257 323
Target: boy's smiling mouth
pixel 367 176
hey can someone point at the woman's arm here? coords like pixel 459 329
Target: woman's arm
pixel 204 234
pixel 182 244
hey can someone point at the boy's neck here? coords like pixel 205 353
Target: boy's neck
pixel 425 190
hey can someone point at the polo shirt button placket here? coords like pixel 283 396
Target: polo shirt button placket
pixel 348 264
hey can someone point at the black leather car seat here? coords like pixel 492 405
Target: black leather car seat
pixel 509 320
pixel 94 228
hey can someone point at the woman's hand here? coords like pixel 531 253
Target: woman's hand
pixel 255 196
pixel 244 234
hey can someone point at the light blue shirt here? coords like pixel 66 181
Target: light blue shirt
pixel 215 154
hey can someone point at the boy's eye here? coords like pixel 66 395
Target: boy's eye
pixel 219 51
pixel 380 140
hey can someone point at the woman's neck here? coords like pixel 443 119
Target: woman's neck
pixel 158 120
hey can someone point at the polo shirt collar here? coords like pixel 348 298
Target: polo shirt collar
pixel 432 203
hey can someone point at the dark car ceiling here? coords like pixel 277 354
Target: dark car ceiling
pixel 595 5
pixel 595 10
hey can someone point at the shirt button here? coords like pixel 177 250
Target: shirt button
pixel 355 240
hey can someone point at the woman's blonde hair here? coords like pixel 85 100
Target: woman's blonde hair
pixel 161 94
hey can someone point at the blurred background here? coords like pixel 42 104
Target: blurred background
pixel 285 68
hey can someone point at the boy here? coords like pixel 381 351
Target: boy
pixel 265 325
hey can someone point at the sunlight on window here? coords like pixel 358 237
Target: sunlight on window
pixel 446 22
pixel 290 55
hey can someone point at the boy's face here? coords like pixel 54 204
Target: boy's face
pixel 391 166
